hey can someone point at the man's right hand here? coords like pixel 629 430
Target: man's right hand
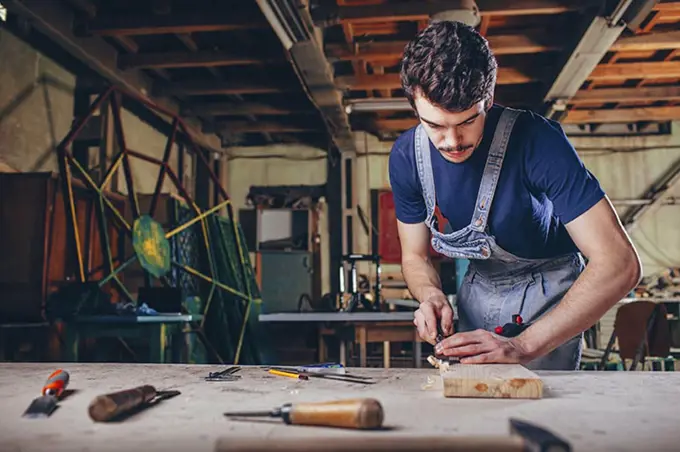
pixel 435 310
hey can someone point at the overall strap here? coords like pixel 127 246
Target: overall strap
pixel 424 166
pixel 492 170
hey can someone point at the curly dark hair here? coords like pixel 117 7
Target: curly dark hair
pixel 450 64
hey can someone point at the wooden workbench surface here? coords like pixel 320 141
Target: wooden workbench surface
pixel 592 410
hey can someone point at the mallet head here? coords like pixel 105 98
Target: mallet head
pixel 538 438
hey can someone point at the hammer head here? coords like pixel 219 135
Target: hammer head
pixel 537 438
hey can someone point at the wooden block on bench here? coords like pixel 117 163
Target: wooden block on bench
pixel 512 381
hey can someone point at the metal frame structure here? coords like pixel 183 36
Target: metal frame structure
pixel 68 163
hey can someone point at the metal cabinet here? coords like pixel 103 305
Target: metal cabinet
pixel 286 276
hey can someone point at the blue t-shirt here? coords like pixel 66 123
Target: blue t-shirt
pixel 543 185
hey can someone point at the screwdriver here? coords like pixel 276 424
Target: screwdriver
pixel 366 413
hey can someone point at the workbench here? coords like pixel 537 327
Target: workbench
pixel 592 410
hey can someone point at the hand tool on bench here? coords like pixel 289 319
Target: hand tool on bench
pixel 348 413
pixel 225 375
pixel 54 387
pixel 111 406
pixel 524 437
pixel 284 373
pixel 332 375
pixel 440 361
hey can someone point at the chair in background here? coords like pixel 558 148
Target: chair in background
pixel 642 331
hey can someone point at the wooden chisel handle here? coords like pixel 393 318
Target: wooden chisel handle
pixel 108 406
pixel 348 413
pixel 363 443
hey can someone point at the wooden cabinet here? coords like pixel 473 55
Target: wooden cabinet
pixel 37 254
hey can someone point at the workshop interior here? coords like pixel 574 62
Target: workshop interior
pixel 204 186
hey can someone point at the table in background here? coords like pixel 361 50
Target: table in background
pixel 158 330
pixel 360 327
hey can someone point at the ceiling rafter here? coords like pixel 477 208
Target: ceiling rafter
pixel 327 15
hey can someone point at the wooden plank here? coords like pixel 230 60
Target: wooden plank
pixel 184 59
pixel 626 71
pixel 622 115
pixel 641 94
pixel 395 125
pixel 240 109
pixel 406 333
pixel 511 381
pixel 262 126
pixel 652 41
pixel 668 6
pixel 417 11
pixel 219 87
pixel 190 22
pixel 505 76
pixel 514 44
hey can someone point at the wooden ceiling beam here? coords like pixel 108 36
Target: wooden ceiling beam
pixel 500 45
pixel 505 76
pixel 123 25
pixel 666 5
pixel 184 59
pixel 645 42
pixel 622 115
pixel 627 71
pixel 393 125
pixel 239 109
pixel 641 94
pixel 218 87
pixel 627 115
pixel 332 14
pixel 265 126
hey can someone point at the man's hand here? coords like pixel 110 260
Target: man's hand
pixel 432 312
pixel 483 347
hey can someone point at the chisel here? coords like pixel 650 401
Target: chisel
pixel 111 406
pixel 349 413
pixel 54 387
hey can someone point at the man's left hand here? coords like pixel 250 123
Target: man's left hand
pixel 482 347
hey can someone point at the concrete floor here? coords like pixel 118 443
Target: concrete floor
pixel 593 411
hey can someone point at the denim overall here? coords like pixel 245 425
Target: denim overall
pixel 499 284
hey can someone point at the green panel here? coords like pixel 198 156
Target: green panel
pixel 151 246
pixel 286 276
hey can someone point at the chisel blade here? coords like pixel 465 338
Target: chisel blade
pixel 41 407
pixel 54 387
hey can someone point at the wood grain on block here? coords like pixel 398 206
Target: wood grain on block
pixel 512 381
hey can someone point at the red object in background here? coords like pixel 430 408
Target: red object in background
pixel 389 247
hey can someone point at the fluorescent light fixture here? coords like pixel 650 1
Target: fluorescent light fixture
pixel 368 105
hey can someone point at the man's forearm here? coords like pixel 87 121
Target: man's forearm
pixel 421 278
pixel 597 289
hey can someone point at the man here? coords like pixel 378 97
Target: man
pixel 519 204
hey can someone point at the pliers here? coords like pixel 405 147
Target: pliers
pixel 225 375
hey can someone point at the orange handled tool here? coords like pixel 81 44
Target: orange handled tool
pixel 53 388
pixel 56 383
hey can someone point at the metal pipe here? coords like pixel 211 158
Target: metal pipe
pixel 276 24
pixel 618 12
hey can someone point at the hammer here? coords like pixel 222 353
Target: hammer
pixel 524 437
